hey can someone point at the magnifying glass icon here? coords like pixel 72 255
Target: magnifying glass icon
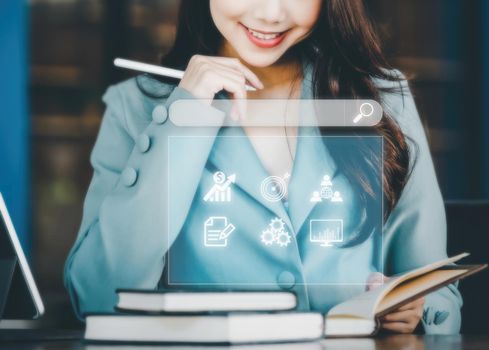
pixel 366 110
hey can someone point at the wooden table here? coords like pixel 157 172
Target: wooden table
pixel 54 340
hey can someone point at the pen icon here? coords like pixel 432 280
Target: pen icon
pixel 227 231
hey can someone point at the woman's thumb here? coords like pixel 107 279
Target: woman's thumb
pixel 374 280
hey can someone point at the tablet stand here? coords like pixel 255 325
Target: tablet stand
pixel 7 268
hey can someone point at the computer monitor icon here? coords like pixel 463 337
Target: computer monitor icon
pixel 326 232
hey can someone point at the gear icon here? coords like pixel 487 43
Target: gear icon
pixel 276 233
pixel 268 237
pixel 277 225
pixel 283 239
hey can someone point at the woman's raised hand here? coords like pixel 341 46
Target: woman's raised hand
pixel 207 75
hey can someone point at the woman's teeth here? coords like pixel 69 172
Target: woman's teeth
pixel 263 36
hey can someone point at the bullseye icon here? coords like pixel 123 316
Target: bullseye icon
pixel 273 188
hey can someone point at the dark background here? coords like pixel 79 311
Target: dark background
pixel 63 50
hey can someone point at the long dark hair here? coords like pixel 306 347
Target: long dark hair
pixel 346 57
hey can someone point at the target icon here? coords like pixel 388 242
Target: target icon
pixel 273 188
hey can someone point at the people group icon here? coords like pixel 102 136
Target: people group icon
pixel 326 193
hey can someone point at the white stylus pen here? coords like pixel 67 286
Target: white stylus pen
pixel 153 69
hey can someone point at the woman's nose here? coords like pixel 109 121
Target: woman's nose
pixel 272 11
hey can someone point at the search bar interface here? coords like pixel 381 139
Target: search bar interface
pixel 276 112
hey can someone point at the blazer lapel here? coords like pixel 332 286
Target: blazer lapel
pixel 312 160
pixel 233 153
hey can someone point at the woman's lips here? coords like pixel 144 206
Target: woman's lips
pixel 264 40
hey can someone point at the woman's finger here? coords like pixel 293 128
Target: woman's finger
pixel 239 93
pixel 230 74
pixel 205 76
pixel 236 64
pixel 220 81
pixel 235 84
pixel 398 327
pixel 374 280
pixel 401 316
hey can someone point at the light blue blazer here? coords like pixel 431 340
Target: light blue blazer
pixel 145 223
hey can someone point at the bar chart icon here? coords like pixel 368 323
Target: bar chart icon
pixel 326 232
pixel 221 191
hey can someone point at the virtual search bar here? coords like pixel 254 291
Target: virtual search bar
pixel 278 113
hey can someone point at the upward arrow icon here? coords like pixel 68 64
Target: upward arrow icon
pixel 221 188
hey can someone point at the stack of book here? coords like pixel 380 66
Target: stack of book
pixel 260 316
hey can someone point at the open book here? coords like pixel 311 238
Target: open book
pixel 358 316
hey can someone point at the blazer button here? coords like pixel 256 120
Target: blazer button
pixel 286 280
pixel 129 177
pixel 160 114
pixel 440 317
pixel 144 142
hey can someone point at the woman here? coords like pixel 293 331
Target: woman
pixel 143 220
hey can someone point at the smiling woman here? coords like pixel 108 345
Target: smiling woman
pixel 141 208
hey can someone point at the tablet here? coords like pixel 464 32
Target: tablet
pixel 19 295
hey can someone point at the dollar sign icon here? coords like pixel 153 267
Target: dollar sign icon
pixel 219 177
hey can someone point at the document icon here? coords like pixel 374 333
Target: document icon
pixel 216 231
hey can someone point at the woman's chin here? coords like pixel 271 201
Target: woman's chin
pixel 260 61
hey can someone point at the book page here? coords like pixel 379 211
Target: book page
pixel 416 286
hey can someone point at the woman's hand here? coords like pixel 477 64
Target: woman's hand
pixel 206 75
pixel 403 320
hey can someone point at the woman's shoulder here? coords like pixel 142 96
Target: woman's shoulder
pixel 393 90
pixel 133 100
pixel 397 100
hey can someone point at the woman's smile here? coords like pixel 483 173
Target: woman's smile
pixel 264 39
pixel 260 32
